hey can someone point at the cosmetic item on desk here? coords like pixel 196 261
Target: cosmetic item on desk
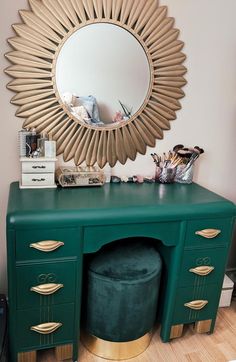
pixel 80 176
pixel 49 148
pixel 22 141
pixel 184 172
pixel 41 144
pixel 107 172
pixel 166 166
pixel 176 165
pixel 31 143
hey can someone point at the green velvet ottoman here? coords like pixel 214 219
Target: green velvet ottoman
pixel 120 299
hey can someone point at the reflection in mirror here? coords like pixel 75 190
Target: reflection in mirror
pixel 102 74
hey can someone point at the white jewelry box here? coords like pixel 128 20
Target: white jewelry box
pixel 226 294
pixel 37 173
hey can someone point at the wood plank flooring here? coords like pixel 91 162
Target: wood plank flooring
pixel 217 347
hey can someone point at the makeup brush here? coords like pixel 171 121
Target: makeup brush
pixel 177 147
pixel 200 150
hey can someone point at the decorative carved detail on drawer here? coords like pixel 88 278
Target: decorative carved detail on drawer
pixel 196 304
pixel 47 278
pixel 46 289
pixel 208 233
pixel 46 328
pixel 47 245
pixel 202 270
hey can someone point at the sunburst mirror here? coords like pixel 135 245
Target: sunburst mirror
pixel 103 77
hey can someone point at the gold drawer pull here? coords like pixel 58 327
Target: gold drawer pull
pixel 202 270
pixel 46 289
pixel 46 328
pixel 208 233
pixel 196 304
pixel 47 245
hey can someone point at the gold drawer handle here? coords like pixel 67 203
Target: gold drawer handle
pixel 47 245
pixel 46 328
pixel 208 233
pixel 202 270
pixel 46 289
pixel 196 304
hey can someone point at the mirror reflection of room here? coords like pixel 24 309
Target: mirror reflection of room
pixel 94 60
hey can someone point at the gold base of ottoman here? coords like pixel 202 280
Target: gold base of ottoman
pixel 116 350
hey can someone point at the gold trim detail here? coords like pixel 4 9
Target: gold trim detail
pixel 46 328
pixel 196 304
pixel 208 233
pixel 202 270
pixel 47 245
pixel 64 352
pixel 176 331
pixel 116 350
pixel 203 326
pixel 38 39
pixel 27 356
pixel 46 289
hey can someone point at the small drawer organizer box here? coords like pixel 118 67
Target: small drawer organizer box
pixel 37 172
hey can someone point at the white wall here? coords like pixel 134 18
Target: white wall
pixel 207 119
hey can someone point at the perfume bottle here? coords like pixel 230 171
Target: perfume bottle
pixel 31 142
pixel 41 144
pixel 50 147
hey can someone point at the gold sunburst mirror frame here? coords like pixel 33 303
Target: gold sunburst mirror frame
pixel 39 38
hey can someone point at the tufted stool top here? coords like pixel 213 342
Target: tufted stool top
pixel 128 260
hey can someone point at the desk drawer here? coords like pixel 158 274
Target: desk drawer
pixel 46 243
pixel 208 232
pixel 38 166
pixel 196 303
pixel 45 284
pixel 96 236
pixel 38 179
pixel 60 329
pixel 202 266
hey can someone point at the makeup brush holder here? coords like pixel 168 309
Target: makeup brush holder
pixel 165 175
pixel 184 174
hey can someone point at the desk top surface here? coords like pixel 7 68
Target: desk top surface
pixel 114 203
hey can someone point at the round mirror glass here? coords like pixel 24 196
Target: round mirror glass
pixel 102 74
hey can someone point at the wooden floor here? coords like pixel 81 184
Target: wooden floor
pixel 217 347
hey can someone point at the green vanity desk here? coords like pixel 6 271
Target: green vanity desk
pixel 49 231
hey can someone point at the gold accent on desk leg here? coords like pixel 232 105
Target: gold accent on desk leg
pixel 203 326
pixel 116 350
pixel 27 356
pixel 64 352
pixel 176 331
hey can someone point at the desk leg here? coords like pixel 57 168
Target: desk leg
pixel 176 331
pixel 203 326
pixel 64 352
pixel 27 356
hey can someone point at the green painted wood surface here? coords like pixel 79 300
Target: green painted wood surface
pixel 87 218
pixel 220 223
pixel 97 236
pixel 31 275
pixel 185 315
pixel 69 236
pixel 202 257
pixel 113 203
pixel 63 313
